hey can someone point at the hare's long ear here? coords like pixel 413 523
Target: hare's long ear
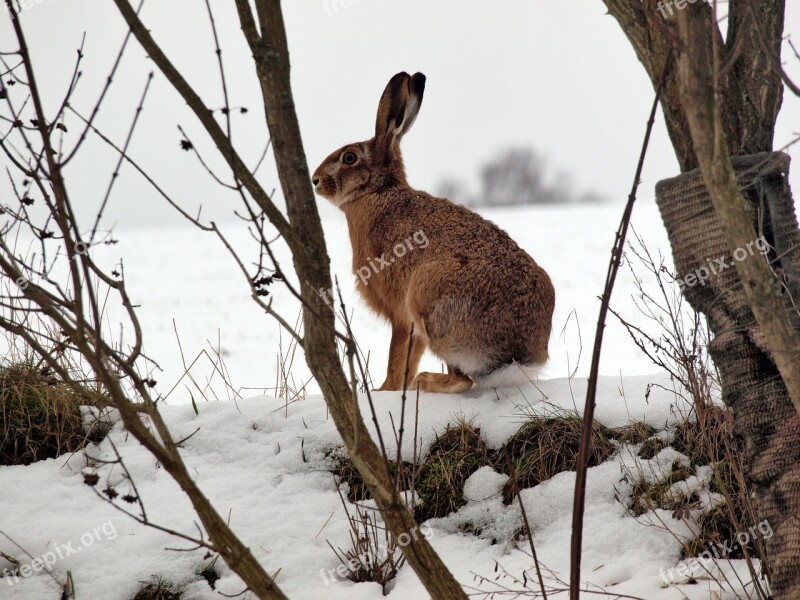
pixel 398 107
pixel 416 87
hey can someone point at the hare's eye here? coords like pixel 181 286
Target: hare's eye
pixel 349 158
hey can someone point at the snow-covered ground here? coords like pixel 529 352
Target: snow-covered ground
pixel 264 463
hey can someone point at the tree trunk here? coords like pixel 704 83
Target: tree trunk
pixel 696 208
pixel 303 234
pixel 763 413
pixel 271 56
pixel 751 91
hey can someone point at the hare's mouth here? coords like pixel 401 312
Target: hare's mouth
pixel 327 188
pixel 324 192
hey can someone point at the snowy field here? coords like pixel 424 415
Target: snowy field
pixel 265 463
pixel 184 280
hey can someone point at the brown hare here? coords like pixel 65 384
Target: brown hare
pixel 473 296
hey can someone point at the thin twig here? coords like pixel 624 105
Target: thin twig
pixel 591 391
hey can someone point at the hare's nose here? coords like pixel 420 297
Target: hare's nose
pixel 315 180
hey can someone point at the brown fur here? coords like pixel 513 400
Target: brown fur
pixel 474 297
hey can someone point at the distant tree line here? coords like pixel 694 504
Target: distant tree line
pixel 515 176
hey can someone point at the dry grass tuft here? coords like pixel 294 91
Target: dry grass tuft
pixel 159 590
pixel 678 343
pixel 374 554
pixel 453 457
pixel 652 446
pixel 704 439
pixel 345 472
pixel 544 447
pixel 40 417
pixel 636 432
pixel 649 495
pixel 708 440
pixel 708 444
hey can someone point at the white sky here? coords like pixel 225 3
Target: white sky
pixel 557 75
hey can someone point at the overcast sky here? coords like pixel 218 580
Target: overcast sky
pixel 556 75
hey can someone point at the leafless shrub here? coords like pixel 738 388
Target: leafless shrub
pixel 54 296
pixel 675 339
pixel 374 553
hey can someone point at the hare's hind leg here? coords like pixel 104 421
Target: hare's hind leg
pixel 438 327
pixel 452 382
pixel 400 361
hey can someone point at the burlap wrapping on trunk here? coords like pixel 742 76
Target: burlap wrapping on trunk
pixel 764 416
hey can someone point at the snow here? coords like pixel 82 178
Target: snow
pixel 483 484
pixel 263 461
pixel 265 465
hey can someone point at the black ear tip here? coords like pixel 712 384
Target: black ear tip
pixel 402 75
pixel 417 83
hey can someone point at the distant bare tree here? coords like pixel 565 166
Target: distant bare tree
pixel 514 177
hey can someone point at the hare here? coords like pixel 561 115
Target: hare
pixel 468 292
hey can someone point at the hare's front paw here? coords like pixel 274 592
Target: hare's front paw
pixel 388 386
pixel 446 383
